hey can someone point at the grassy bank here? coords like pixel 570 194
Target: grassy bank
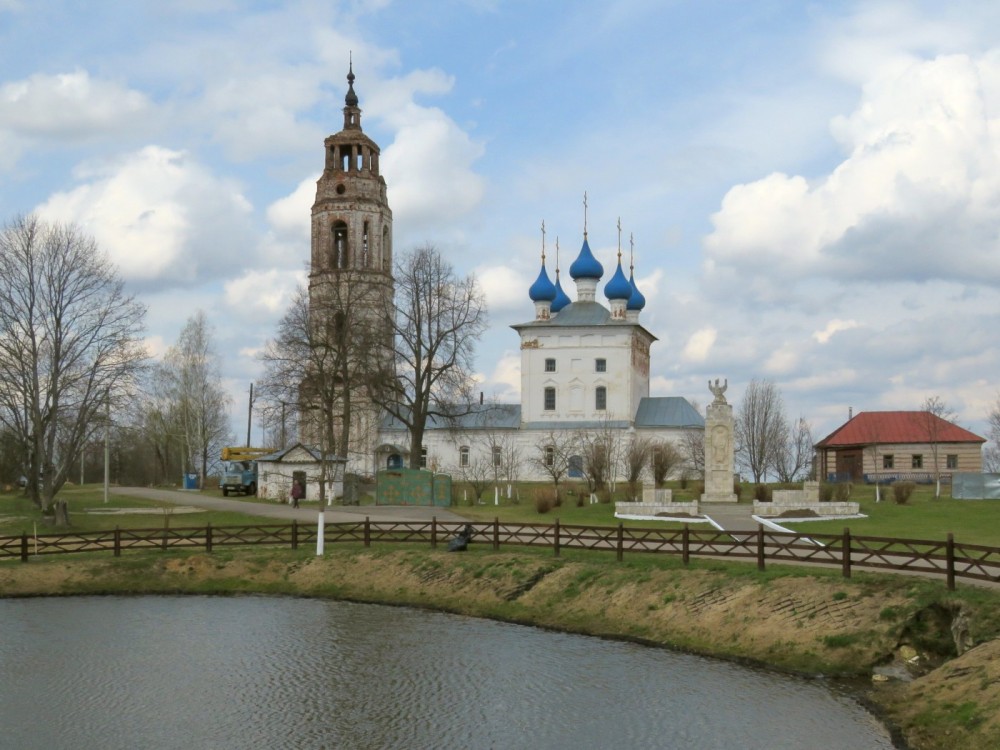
pixel 812 622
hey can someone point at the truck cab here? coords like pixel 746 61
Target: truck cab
pixel 239 477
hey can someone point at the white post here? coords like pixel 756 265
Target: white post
pixel 107 448
pixel 319 533
pixel 496 495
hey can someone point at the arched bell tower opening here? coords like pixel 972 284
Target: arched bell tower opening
pixel 350 292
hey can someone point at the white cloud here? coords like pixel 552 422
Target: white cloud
pixel 506 291
pixel 290 215
pixel 917 197
pixel 262 295
pixel 69 106
pixel 834 326
pixel 699 345
pixel 160 215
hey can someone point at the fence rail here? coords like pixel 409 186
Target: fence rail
pixel 948 559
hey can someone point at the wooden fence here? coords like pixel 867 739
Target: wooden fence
pixel 946 559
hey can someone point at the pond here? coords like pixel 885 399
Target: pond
pixel 270 672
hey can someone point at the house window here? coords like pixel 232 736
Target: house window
pixel 917 462
pixel 497 455
pixel 550 365
pixel 601 398
pixel 423 457
pixel 887 461
pixel 600 365
pixel 550 455
pixel 550 399
pixel 463 456
pixel 951 461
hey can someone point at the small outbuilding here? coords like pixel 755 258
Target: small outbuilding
pixel 277 471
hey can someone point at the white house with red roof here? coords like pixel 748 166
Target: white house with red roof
pixel 898 445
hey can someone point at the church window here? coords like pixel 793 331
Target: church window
pixel 550 365
pixel 463 456
pixel 345 158
pixel 600 365
pixel 550 455
pixel 340 250
pixel 364 247
pixel 601 398
pixel 550 399
pixel 497 455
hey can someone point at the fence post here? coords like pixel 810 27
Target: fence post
pixel 686 544
pixel 434 532
pixel 555 541
pixel 621 541
pixel 760 546
pixel 950 560
pixel 24 547
pixel 845 554
pixel 208 538
pixel 295 534
pixel 368 531
pixel 118 541
pixel 496 533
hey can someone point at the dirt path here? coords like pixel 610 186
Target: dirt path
pixel 333 514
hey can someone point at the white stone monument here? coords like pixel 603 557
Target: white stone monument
pixel 719 451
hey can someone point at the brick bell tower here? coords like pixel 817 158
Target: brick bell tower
pixel 350 282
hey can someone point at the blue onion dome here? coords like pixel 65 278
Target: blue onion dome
pixel 586 266
pixel 636 301
pixel 542 290
pixel 618 287
pixel 562 299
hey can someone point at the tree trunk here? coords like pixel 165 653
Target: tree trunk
pixel 61 508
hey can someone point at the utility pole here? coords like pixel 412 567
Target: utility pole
pixel 249 414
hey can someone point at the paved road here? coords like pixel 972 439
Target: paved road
pixel 285 512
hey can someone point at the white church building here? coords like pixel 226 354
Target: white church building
pixel 584 372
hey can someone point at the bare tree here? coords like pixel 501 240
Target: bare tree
pixel 991 456
pixel 665 458
pixel 873 448
pixel 191 370
pixel 70 346
pixel 321 365
pixel 760 428
pixel 935 410
pixel 693 451
pixel 634 459
pixel 795 454
pixel 438 318
pixel 477 474
pixel 552 457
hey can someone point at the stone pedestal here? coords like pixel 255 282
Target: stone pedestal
pixel 719 453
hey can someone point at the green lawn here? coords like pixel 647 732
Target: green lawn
pixel 19 515
pixel 923 517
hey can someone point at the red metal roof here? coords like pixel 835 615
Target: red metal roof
pixel 897 427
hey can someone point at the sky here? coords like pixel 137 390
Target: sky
pixel 812 190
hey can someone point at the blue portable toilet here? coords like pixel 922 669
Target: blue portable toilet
pixel 190 481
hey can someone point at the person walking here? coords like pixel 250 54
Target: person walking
pixel 298 492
